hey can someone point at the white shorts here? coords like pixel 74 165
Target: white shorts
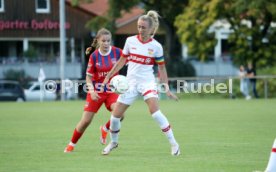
pixel 147 90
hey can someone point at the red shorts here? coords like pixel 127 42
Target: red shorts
pixel 107 98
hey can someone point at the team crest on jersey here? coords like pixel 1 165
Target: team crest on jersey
pixel 97 64
pixel 148 60
pixel 113 61
pixel 150 51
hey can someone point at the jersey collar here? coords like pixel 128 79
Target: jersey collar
pixel 140 40
pixel 102 54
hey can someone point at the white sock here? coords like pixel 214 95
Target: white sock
pixel 72 144
pixel 115 125
pixel 271 166
pixel 165 126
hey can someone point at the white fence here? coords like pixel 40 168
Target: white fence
pixel 235 80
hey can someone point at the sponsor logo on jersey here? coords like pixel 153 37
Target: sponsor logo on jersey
pixel 133 48
pixel 148 60
pixel 135 58
pixel 102 74
pixel 140 59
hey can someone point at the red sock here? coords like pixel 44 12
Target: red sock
pixel 76 136
pixel 107 125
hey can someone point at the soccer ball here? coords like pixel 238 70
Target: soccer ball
pixel 119 84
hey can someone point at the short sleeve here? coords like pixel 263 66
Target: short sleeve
pixel 125 51
pixel 159 56
pixel 90 67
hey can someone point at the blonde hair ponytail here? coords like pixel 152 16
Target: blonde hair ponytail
pixel 155 21
pixel 152 18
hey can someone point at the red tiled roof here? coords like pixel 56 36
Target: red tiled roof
pixel 127 17
pixel 100 7
pixel 96 7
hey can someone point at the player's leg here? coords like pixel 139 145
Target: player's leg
pixel 110 105
pixel 123 102
pixel 160 118
pixel 115 125
pixel 79 130
pixel 90 109
pixel 104 129
pixel 110 101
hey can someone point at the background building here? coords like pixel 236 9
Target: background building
pixel 29 38
pixel 29 35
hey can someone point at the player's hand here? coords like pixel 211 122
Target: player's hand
pixel 106 79
pixel 95 96
pixel 102 88
pixel 172 96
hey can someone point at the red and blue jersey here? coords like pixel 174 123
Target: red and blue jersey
pixel 99 65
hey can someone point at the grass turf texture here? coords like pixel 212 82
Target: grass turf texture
pixel 215 136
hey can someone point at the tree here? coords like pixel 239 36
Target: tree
pixel 17 75
pixel 108 20
pixel 168 12
pixel 253 37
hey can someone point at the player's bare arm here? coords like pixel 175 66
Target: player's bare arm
pixel 120 63
pixel 94 95
pixel 164 80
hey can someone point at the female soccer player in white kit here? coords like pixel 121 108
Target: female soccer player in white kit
pixel 142 52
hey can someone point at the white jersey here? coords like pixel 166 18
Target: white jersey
pixel 141 58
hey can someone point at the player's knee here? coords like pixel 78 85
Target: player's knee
pixel 117 115
pixel 119 110
pixel 153 109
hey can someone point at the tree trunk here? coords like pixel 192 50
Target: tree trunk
pixel 173 45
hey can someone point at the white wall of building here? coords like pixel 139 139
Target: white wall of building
pixel 52 71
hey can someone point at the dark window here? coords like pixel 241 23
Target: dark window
pixel 9 86
pixel 37 88
pixel 42 6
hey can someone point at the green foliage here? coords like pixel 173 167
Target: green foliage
pixel 31 53
pixel 76 2
pixel 271 88
pixel 271 83
pixel 180 68
pixel 168 12
pixel 193 27
pixel 97 23
pixel 253 38
pixel 17 75
pixel 108 20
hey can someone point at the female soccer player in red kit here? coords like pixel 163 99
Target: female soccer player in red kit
pixel 142 51
pixel 100 63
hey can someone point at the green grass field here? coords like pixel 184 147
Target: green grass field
pixel 215 136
